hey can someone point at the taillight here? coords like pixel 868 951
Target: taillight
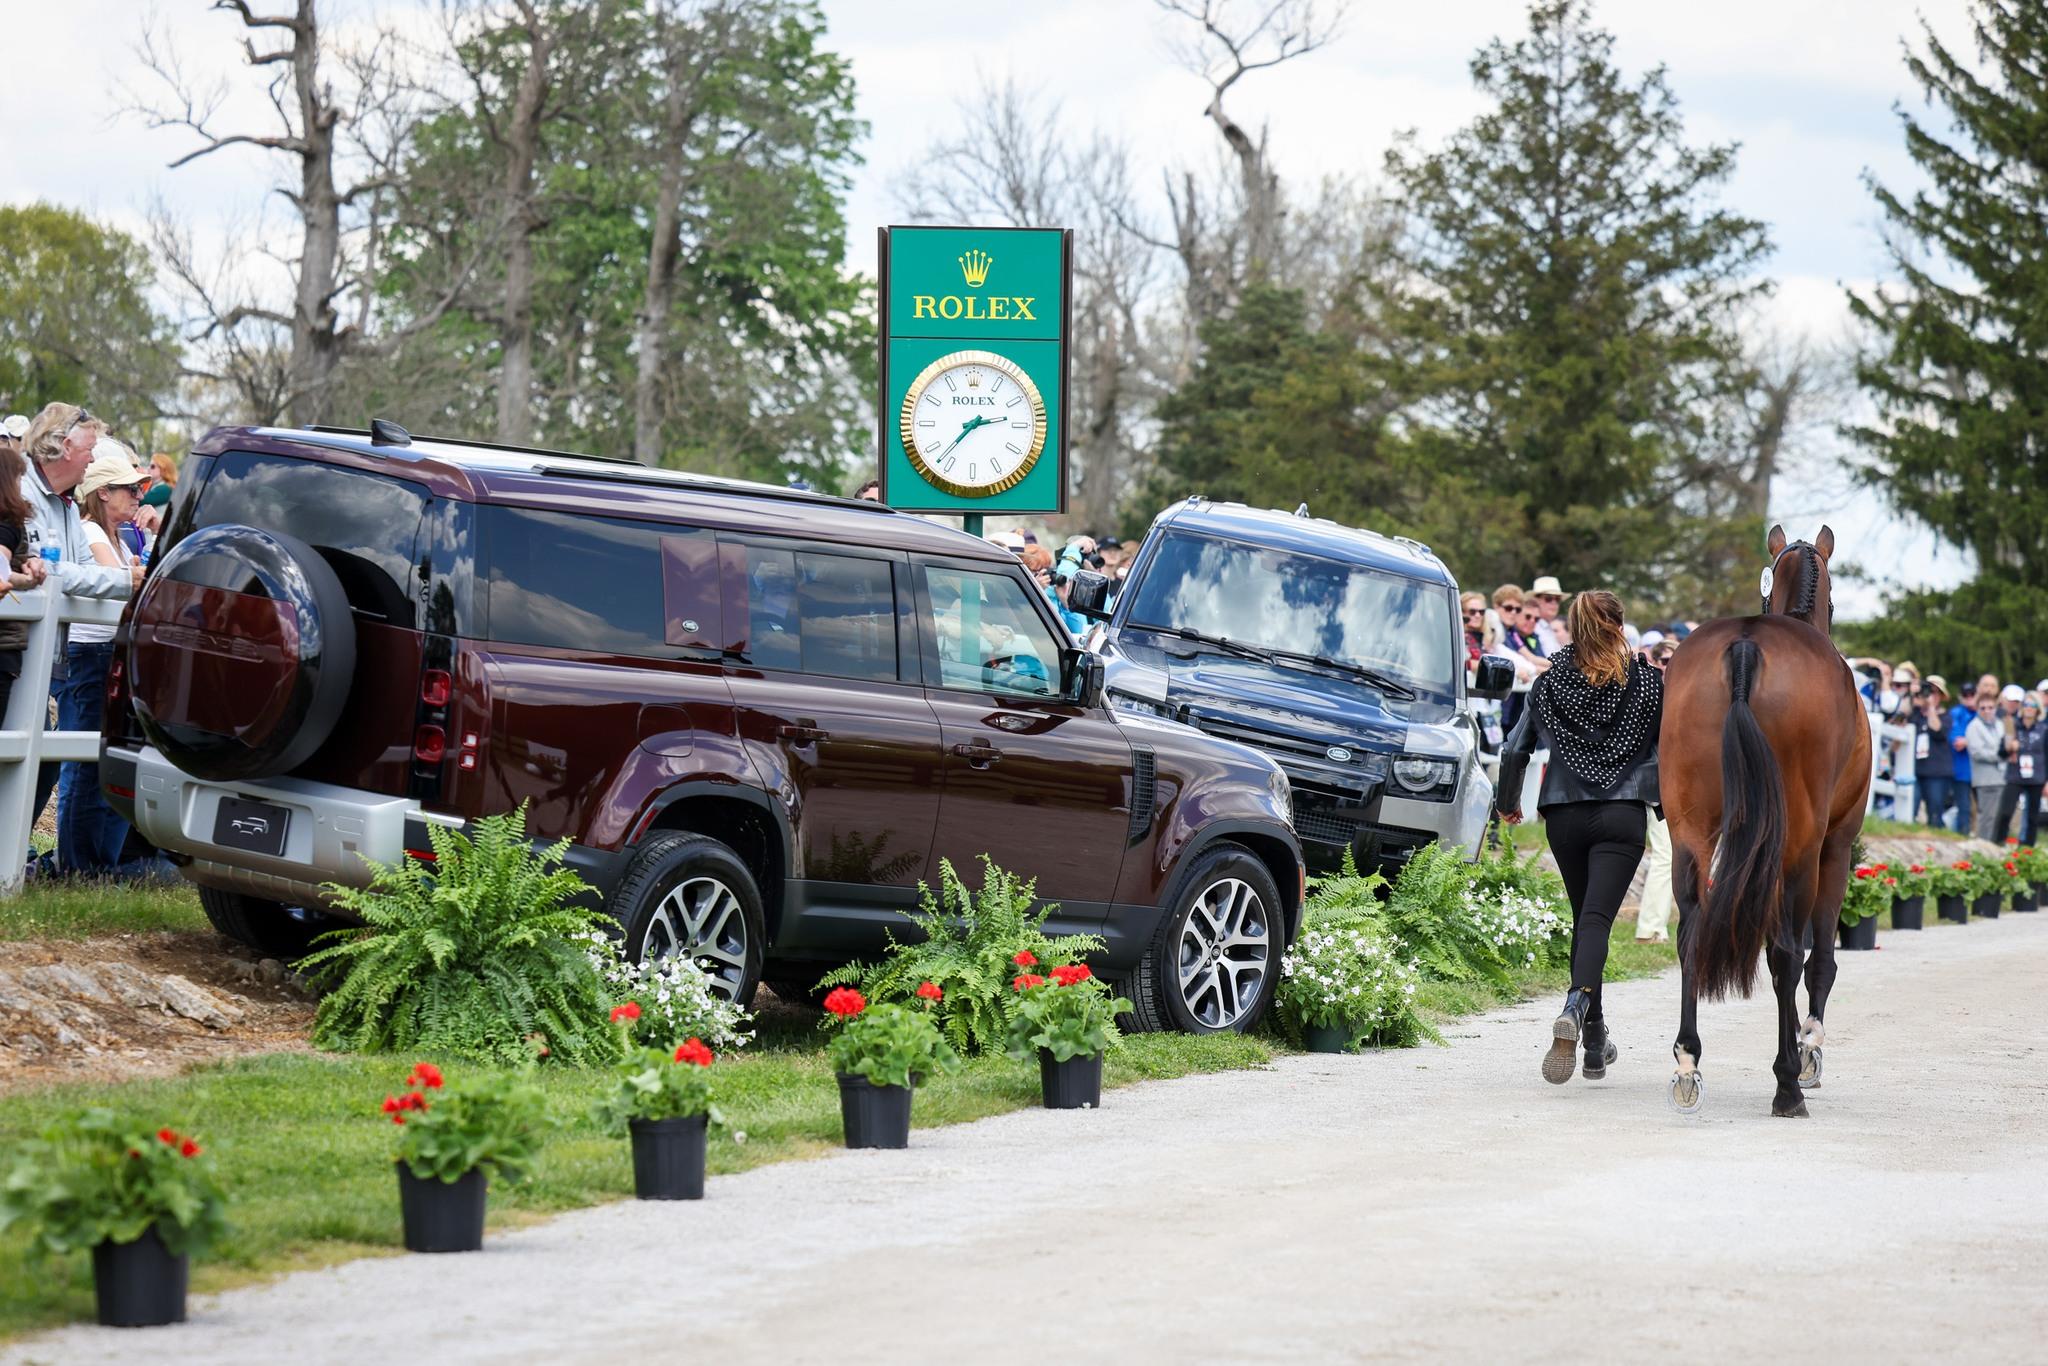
pixel 436 687
pixel 429 744
pixel 117 679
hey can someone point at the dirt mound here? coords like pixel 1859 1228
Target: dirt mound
pixel 139 1005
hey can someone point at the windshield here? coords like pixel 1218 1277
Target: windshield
pixel 1278 600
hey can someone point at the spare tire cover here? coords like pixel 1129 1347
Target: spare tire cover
pixel 241 651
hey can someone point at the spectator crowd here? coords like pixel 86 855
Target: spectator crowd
pixel 79 511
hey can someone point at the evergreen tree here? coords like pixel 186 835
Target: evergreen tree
pixel 1569 316
pixel 1959 372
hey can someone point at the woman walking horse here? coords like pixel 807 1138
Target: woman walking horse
pixel 1766 771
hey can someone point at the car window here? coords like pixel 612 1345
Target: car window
pixel 819 613
pixel 598 585
pixel 1008 648
pixel 365 526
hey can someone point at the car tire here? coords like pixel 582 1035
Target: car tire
pixel 1214 963
pixel 268 927
pixel 685 892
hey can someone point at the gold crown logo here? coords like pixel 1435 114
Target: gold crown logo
pixel 974 380
pixel 974 266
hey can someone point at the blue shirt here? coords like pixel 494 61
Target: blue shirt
pixel 1959 718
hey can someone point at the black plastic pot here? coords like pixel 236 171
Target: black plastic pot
pixel 1909 913
pixel 1986 906
pixel 1861 935
pixel 443 1216
pixel 874 1116
pixel 1075 1084
pixel 2026 902
pixel 1327 1038
pixel 139 1284
pixel 668 1157
pixel 1953 908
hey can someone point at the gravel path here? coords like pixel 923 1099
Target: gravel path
pixel 1439 1204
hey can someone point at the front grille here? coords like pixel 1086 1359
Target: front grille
pixel 1327 827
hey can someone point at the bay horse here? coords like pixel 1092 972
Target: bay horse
pixel 1764 765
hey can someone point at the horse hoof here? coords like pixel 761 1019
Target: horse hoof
pixel 1796 1110
pixel 1809 1068
pixel 1688 1092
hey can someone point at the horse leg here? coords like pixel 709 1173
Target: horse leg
pixel 1687 1086
pixel 1784 961
pixel 1833 885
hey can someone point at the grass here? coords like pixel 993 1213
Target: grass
pixel 79 910
pixel 271 1120
pixel 1439 1002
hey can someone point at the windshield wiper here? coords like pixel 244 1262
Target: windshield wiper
pixel 1372 676
pixel 1203 638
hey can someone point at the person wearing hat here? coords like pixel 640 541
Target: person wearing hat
pixel 2026 765
pixel 89 834
pixel 1934 759
pixel 1551 629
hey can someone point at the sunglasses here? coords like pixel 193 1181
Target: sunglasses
pixel 1475 611
pixel 82 417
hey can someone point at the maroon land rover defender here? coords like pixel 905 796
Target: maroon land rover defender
pixel 760 716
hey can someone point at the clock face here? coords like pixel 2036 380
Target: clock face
pixel 973 424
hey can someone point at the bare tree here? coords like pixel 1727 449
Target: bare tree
pixel 1232 40
pixel 339 143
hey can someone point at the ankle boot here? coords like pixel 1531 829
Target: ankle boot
pixel 1564 1036
pixel 1600 1050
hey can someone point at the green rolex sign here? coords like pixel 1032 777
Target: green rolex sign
pixel 974 369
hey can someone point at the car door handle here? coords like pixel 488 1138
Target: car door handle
pixel 979 753
pixel 803 734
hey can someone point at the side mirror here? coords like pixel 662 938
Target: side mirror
pixel 1083 674
pixel 1495 677
pixel 1088 593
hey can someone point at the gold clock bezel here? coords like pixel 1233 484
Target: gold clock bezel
pixel 906 427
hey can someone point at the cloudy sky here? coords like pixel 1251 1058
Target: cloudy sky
pixel 1807 87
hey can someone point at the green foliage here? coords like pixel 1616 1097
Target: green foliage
pixel 1425 912
pixel 1993 624
pixel 93 1177
pixel 658 1083
pixel 479 955
pixel 1071 1015
pixel 493 1121
pixel 1500 872
pixel 1347 972
pixel 1955 364
pixel 1343 895
pixel 1870 890
pixel 77 320
pixel 890 1045
pixel 967 944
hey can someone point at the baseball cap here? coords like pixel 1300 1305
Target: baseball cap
pixel 1653 636
pixel 1546 587
pixel 109 468
pixel 15 425
pixel 1901 676
pixel 2013 693
pixel 1011 541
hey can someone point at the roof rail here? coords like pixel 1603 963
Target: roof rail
pixel 372 433
pixel 699 483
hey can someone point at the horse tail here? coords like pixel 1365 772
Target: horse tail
pixel 1740 911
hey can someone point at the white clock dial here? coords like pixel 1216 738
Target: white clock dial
pixel 973 423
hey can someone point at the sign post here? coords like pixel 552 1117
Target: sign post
pixel 972 406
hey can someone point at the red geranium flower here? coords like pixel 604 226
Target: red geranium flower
pixel 693 1050
pixel 1024 980
pixel 1917 868
pixel 2012 839
pixel 629 1011
pixel 1880 867
pixel 398 1119
pixel 188 1149
pixel 1961 865
pixel 930 991
pixel 169 1136
pixel 845 1002
pixel 391 1105
pixel 1071 973
pixel 1026 959
pixel 1891 882
pixel 424 1074
pixel 1864 872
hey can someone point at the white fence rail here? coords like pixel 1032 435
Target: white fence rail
pixel 24 744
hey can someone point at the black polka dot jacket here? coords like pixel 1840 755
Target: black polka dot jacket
pixel 1615 763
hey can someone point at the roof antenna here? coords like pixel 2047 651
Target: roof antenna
pixel 384 433
pixel 1301 511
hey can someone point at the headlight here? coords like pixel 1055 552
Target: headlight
pixel 1143 706
pixel 1283 794
pixel 1424 777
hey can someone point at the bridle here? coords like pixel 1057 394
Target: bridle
pixel 1809 584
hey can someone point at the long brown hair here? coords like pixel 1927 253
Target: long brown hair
pixel 14 508
pixel 1598 646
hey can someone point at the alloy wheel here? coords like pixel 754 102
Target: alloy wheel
pixel 1225 952
pixel 701 919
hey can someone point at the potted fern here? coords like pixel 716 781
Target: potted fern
pixel 662 1100
pixel 880 1053
pixel 141 1203
pixel 480 954
pixel 1066 1018
pixel 453 1139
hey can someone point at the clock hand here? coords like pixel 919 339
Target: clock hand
pixel 971 424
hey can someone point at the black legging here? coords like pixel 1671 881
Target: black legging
pixel 2025 798
pixel 1597 846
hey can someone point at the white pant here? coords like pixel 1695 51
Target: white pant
pixel 1653 917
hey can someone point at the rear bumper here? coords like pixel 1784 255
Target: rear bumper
pixel 333 834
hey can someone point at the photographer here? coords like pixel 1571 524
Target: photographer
pixel 1053 584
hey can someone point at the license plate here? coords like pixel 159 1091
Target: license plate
pixel 256 827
